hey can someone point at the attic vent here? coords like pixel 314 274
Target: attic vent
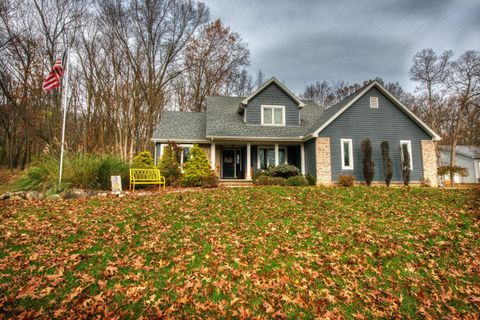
pixel 374 102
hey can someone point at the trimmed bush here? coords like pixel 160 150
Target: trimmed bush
pixel 387 162
pixel 406 165
pixel 312 181
pixel 197 170
pixel 297 181
pixel 368 166
pixel 283 171
pixel 168 165
pixel 143 160
pixel 264 180
pixel 346 180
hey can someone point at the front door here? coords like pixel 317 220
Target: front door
pixel 231 163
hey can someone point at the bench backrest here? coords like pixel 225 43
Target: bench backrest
pixel 144 174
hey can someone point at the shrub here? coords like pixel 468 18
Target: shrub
pixel 79 170
pixel 283 171
pixel 143 160
pixel 387 162
pixel 197 169
pixel 447 170
pixel 168 165
pixel 297 181
pixel 425 183
pixel 112 165
pixel 311 180
pixel 346 180
pixel 368 164
pixel 211 181
pixel 405 165
pixel 264 180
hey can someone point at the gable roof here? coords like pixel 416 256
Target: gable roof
pixel 177 125
pixel 282 87
pixel 224 121
pixel 336 110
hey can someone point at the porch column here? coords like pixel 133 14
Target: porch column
pixel 276 154
pixel 302 158
pixel 249 173
pixel 212 155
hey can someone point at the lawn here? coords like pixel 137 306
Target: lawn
pixel 245 252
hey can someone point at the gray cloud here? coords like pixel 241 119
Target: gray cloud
pixel 303 41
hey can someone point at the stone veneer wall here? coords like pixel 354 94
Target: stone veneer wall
pixel 323 160
pixel 429 159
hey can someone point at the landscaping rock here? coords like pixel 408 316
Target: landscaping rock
pixel 17 195
pixel 78 194
pixel 34 195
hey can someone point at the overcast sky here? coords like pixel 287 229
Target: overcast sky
pixel 305 40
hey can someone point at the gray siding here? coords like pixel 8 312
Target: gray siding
pixel 462 161
pixel 310 158
pixel 272 95
pixel 389 123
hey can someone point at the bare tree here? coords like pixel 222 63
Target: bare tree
pixel 464 82
pixel 319 92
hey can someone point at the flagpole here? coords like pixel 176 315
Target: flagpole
pixel 65 99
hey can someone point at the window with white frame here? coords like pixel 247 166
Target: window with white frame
pixel 273 115
pixel 182 156
pixel 266 157
pixel 408 145
pixel 374 102
pixel 346 147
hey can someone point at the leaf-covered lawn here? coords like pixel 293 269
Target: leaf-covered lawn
pixel 245 252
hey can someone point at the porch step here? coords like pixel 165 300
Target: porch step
pixel 235 183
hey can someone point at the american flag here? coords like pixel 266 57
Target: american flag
pixel 53 79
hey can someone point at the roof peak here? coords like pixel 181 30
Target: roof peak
pixel 278 84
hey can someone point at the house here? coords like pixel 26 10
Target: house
pixel 467 157
pixel 272 126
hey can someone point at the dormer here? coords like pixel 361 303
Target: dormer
pixel 272 104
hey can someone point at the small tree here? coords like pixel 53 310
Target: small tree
pixel 143 160
pixel 406 165
pixel 387 162
pixel 197 170
pixel 368 164
pixel 169 166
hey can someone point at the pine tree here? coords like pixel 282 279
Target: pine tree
pixel 197 169
pixel 169 166
pixel 406 165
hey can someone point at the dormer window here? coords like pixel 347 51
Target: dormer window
pixel 273 115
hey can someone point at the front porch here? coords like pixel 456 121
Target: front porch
pixel 240 161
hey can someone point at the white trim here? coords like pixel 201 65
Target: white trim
pixel 180 140
pixel 409 147
pixel 350 153
pixel 265 139
pixel 276 155
pixel 389 95
pixel 273 107
pixel 373 102
pixel 280 85
pixel 270 148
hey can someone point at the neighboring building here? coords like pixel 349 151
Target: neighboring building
pixel 273 126
pixel 467 157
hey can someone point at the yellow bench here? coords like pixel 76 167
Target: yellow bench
pixel 146 176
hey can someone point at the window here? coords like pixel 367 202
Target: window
pixel 182 156
pixel 347 154
pixel 374 102
pixel 409 148
pixel 273 115
pixel 266 157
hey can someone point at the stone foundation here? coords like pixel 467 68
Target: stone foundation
pixel 429 159
pixel 323 161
